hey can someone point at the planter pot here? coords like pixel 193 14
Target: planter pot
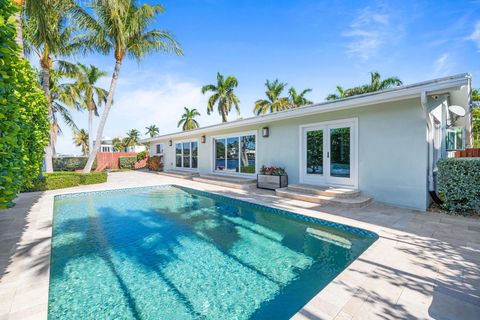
pixel 271 182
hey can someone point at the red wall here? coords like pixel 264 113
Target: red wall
pixel 110 160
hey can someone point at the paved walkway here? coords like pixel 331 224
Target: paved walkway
pixel 425 265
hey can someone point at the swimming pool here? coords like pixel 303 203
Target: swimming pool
pixel 169 252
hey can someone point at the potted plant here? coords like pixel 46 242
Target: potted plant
pixel 272 178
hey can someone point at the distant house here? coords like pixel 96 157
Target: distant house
pixel 107 146
pixel 385 144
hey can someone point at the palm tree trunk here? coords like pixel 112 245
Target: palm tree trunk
pixel 19 35
pixel 103 119
pixel 90 130
pixel 50 147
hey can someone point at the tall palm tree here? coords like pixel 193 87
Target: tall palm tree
pixel 223 96
pixel 132 138
pixel 376 84
pixel 121 27
pixel 299 100
pixel 188 120
pixel 274 102
pixel 80 139
pixel 62 98
pixel 91 97
pixel 152 130
pixel 118 144
pixel 47 34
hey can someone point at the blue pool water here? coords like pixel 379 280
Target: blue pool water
pixel 176 253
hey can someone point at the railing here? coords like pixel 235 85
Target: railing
pixel 467 153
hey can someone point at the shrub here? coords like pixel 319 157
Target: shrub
pixel 141 155
pixel 127 162
pixel 155 163
pixel 459 184
pixel 23 114
pixel 60 180
pixel 71 163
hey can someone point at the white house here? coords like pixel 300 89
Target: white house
pixel 107 146
pixel 384 144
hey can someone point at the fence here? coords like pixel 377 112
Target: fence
pixel 110 160
pixel 467 153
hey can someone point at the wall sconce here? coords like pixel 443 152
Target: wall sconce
pixel 170 143
pixel 265 132
pixel 204 139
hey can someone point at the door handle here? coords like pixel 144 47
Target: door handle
pixel 328 154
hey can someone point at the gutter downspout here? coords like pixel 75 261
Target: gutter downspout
pixel 430 164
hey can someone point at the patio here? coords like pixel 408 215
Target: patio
pixel 425 265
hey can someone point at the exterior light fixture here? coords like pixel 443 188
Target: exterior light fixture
pixel 170 143
pixel 204 139
pixel 265 132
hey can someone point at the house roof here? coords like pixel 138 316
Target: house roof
pixel 435 86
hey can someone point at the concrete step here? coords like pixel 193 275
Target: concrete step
pixel 227 181
pixel 179 174
pixel 328 191
pixel 355 202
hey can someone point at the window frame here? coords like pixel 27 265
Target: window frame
pixel 238 135
pixel 181 142
pixel 162 148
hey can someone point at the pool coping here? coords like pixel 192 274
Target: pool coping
pixel 24 291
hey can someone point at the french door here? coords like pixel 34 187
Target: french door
pixel 329 153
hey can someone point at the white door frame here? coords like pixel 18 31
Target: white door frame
pixel 175 154
pixel 326 179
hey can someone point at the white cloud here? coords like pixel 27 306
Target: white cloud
pixel 475 36
pixel 371 29
pixel 145 98
pixel 443 65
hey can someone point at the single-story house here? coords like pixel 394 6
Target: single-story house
pixel 384 144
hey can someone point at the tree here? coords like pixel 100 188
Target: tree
pixel 274 102
pixel 152 130
pixel 298 100
pixel 132 138
pixel 47 34
pixel 188 119
pixel 118 144
pixel 376 84
pixel 223 96
pixel 476 118
pixel 90 96
pixel 81 139
pixel 120 26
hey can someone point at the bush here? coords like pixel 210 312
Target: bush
pixel 155 163
pixel 60 180
pixel 459 184
pixel 71 163
pixel 141 155
pixel 127 162
pixel 23 114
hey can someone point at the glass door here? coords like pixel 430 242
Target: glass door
pixel 313 164
pixel 339 154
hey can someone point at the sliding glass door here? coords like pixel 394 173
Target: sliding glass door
pixel 328 153
pixel 186 155
pixel 235 154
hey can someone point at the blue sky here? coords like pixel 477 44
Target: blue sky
pixel 308 44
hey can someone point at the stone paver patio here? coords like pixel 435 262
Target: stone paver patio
pixel 425 265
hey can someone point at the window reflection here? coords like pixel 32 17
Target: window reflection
pixel 315 152
pixel 247 156
pixel 220 154
pixel 340 152
pixel 236 154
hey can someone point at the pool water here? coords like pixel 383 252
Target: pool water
pixel 175 253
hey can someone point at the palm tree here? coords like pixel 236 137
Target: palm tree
pixel 18 19
pixel 223 96
pixel 188 120
pixel 118 144
pixel 46 33
pixel 476 118
pixel 120 26
pixel 91 96
pixel 152 130
pixel 80 139
pixel 376 84
pixel 299 100
pixel 274 101
pixel 132 138
pixel 62 97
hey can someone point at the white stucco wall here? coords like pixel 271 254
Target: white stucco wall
pixel 392 150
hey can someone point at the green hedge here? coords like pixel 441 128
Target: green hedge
pixel 23 114
pixel 459 184
pixel 127 162
pixel 60 180
pixel 71 163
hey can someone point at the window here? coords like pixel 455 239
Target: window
pixel 235 154
pixel 186 155
pixel 455 139
pixel 159 148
